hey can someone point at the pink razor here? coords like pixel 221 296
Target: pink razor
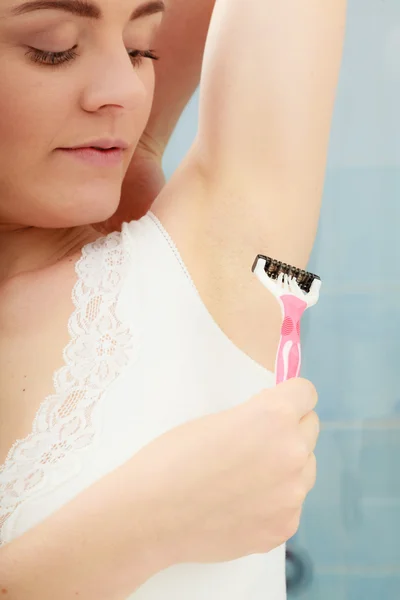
pixel 295 290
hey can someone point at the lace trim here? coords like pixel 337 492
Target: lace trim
pixel 97 352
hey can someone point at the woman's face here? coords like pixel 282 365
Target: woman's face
pixel 71 75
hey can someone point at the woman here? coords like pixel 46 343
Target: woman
pixel 148 419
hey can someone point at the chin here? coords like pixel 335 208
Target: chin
pixel 62 205
pixel 76 214
pixel 90 205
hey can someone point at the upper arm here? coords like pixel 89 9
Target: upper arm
pixel 252 182
pixel 267 96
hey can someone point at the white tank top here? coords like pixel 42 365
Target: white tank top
pixel 145 356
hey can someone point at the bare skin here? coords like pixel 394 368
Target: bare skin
pixel 49 205
pixel 255 460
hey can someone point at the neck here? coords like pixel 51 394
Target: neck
pixel 24 250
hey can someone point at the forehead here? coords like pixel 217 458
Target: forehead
pixel 89 9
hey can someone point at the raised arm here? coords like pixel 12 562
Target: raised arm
pixel 267 96
pixel 257 167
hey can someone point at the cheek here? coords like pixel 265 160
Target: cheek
pixel 141 116
pixel 28 110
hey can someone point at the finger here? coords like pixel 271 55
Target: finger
pixel 299 393
pixel 309 430
pixel 310 473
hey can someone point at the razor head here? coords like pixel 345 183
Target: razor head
pixel 273 268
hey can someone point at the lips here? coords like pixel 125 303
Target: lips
pixel 97 156
pixel 104 149
pixel 102 144
pixel 101 150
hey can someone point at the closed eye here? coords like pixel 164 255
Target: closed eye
pixel 54 59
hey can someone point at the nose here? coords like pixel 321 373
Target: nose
pixel 112 83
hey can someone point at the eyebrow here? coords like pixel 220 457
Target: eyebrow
pixel 84 8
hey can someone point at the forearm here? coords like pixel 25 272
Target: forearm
pixel 101 546
pixel 180 45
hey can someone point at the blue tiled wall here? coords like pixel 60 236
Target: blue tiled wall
pixel 351 521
